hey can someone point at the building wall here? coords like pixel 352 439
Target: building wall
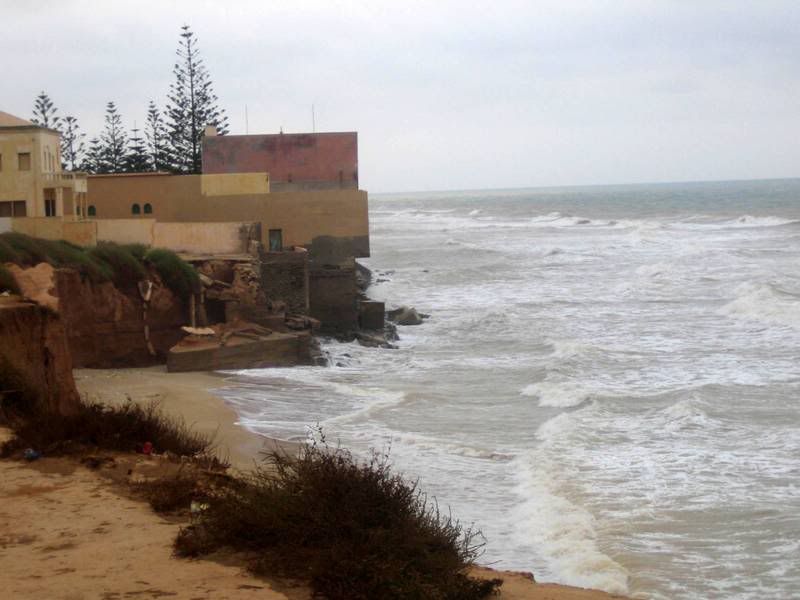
pixel 82 233
pixel 234 184
pixel 288 157
pixel 202 238
pixel 304 217
pixel 125 231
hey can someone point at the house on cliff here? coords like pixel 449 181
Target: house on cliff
pixel 295 194
pixel 32 182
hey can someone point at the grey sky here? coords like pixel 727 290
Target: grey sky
pixel 450 95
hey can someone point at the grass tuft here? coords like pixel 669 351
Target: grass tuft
pixel 179 276
pixel 125 267
pixel 352 528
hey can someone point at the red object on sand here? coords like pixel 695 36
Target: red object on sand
pixel 147 448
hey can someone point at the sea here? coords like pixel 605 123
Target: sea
pixel 607 387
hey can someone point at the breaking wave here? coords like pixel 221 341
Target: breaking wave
pixel 764 302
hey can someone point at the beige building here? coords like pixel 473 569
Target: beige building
pixel 334 223
pixel 32 183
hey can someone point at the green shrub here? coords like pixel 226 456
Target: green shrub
pixel 124 266
pixel 177 275
pixel 28 251
pixel 353 529
pixel 7 281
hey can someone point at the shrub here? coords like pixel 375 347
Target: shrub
pixel 123 428
pixel 125 267
pixel 354 529
pixel 172 494
pixel 7 281
pixel 27 251
pixel 177 275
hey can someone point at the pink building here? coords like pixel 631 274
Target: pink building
pixel 294 161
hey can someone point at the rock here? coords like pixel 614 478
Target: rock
pixel 374 341
pixel 404 316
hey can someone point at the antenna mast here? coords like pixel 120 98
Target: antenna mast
pixel 313 121
pixel 246 121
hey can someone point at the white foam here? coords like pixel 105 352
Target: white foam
pixel 557 394
pixel 764 302
pixel 475 213
pixel 563 531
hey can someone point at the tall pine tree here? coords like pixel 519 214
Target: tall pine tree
pixel 155 132
pixel 114 143
pixel 93 160
pixel 136 159
pixel 192 106
pixel 72 145
pixel 45 112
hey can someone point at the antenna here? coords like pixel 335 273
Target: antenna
pixel 313 121
pixel 246 122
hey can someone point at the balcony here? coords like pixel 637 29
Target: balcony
pixel 66 179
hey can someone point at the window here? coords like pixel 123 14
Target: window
pixel 148 210
pixel 24 161
pixel 136 210
pixel 49 207
pixel 290 178
pixel 92 211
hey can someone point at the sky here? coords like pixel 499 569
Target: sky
pixel 448 95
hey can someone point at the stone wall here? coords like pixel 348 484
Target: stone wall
pixel 333 296
pixel 284 278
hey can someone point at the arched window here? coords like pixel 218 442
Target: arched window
pixel 136 210
pixel 92 211
pixel 148 210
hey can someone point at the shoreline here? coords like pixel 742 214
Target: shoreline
pixel 186 396
pixel 190 397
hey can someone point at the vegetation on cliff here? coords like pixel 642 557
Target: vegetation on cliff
pixel 122 264
pixel 353 529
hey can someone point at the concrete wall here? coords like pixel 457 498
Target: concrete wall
pixel 284 277
pixel 202 238
pixel 289 158
pixel 333 296
pixel 82 233
pixel 304 217
pixel 125 231
pixel 5 224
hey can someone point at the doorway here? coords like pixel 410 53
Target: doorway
pixel 275 240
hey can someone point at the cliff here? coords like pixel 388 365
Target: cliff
pixel 34 356
pixel 104 325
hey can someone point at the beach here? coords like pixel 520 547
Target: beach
pixel 68 532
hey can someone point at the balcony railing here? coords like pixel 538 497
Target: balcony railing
pixel 67 179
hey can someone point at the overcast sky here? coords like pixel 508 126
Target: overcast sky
pixel 449 95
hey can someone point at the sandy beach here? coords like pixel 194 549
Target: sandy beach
pixel 187 396
pixel 71 533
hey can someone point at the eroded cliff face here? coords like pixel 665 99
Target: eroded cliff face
pixel 34 355
pixel 105 326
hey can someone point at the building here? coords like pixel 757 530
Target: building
pixel 294 161
pixel 32 182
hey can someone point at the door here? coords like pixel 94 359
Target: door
pixel 275 240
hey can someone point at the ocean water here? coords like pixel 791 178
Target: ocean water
pixel 608 385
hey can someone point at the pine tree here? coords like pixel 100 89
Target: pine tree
pixel 72 145
pixel 192 106
pixel 93 160
pixel 137 159
pixel 44 112
pixel 113 142
pixel 155 132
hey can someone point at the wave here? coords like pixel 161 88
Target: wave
pixel 562 530
pixel 764 302
pixel 560 395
